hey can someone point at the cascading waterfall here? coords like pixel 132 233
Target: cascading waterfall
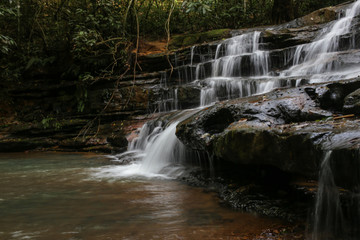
pixel 242 65
pixel 323 55
pixel 239 50
pixel 234 58
pixel 239 67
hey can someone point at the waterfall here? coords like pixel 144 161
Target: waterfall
pixel 238 67
pixel 337 211
pixel 322 55
pixel 155 152
pixel 235 58
pixel 245 65
pixel 328 217
pixel 151 153
pixel 239 50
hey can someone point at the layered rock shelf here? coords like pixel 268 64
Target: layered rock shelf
pixel 289 129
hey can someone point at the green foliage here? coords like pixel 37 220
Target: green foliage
pixel 179 41
pixel 50 122
pixel 201 7
pixel 6 43
pixel 81 91
pixel 73 37
pixel 39 62
pixel 70 37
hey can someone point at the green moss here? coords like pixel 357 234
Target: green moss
pixel 215 35
pixel 191 40
pixel 186 40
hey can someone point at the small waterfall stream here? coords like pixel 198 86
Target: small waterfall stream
pixel 337 211
pixel 328 216
pixel 151 155
pixel 155 153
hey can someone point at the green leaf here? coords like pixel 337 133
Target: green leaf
pixel 31 62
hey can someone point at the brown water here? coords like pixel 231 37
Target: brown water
pixel 56 196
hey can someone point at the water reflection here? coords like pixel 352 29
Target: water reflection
pixel 55 196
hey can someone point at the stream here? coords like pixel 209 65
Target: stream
pixel 67 196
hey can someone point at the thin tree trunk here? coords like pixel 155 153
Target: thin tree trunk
pixel 18 20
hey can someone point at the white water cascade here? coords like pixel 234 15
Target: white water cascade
pixel 246 64
pixel 151 153
pixel 322 58
pixel 242 65
pixel 236 58
pixel 155 153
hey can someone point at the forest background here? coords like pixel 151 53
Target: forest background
pixel 83 39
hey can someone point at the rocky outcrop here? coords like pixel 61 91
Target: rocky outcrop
pixel 352 102
pixel 288 129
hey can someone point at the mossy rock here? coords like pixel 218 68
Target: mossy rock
pixel 186 40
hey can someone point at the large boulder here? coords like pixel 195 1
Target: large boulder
pixel 286 129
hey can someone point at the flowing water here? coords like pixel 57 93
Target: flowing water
pixel 65 196
pixel 244 65
pixel 328 216
pixel 337 210
pixel 323 56
pixel 156 152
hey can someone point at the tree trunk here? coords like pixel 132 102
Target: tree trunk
pixel 282 11
pixel 18 20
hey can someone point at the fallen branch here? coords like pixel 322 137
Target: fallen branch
pixel 344 116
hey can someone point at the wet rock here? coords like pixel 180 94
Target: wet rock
pixel 188 96
pixel 218 121
pixel 352 102
pixel 285 38
pixel 260 189
pixel 118 141
pixel 260 145
pixel 156 62
pixel 345 165
pixel 320 16
pixel 286 129
pixel 317 17
pixel 331 96
pixel 25 144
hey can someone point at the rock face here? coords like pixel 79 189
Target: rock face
pixel 352 102
pixel 289 128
